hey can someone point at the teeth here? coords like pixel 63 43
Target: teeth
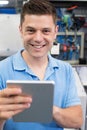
pixel 38 47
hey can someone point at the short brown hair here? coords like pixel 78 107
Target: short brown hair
pixel 38 7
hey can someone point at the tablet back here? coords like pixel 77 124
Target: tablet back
pixel 41 108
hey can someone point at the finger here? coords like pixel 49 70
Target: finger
pixel 8 114
pixel 13 107
pixel 15 100
pixel 13 86
pixel 10 91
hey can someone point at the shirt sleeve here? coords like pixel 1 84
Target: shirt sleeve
pixel 72 97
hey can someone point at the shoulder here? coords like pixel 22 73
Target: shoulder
pixel 61 64
pixel 6 65
pixel 62 68
pixel 6 62
pixel 4 71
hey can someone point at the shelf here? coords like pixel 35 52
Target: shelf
pixel 82 40
pixel 68 3
pixel 71 33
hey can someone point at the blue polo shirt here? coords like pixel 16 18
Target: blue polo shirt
pixel 65 93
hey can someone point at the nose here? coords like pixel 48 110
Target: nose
pixel 38 37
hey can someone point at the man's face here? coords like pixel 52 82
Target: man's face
pixel 38 33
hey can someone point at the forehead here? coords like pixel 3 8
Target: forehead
pixel 38 20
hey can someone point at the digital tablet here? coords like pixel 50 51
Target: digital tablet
pixel 42 106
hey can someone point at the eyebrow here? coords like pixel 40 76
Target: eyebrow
pixel 30 27
pixel 46 28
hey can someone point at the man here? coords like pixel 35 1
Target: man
pixel 38 30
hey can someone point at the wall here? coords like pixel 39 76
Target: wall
pixel 10 39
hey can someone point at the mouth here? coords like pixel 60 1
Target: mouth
pixel 37 46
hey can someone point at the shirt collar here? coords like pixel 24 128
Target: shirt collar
pixel 53 62
pixel 18 61
pixel 20 64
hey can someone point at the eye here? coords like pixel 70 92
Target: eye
pixel 46 31
pixel 30 30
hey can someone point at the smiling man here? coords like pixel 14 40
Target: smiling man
pixel 38 31
pixel 38 38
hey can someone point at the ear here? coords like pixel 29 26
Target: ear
pixel 20 30
pixel 57 27
pixel 56 31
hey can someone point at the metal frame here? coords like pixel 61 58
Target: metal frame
pixel 81 48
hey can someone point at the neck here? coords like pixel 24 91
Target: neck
pixel 37 65
pixel 33 61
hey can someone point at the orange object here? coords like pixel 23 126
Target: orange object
pixel 73 7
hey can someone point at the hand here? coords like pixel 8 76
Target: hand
pixel 13 101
